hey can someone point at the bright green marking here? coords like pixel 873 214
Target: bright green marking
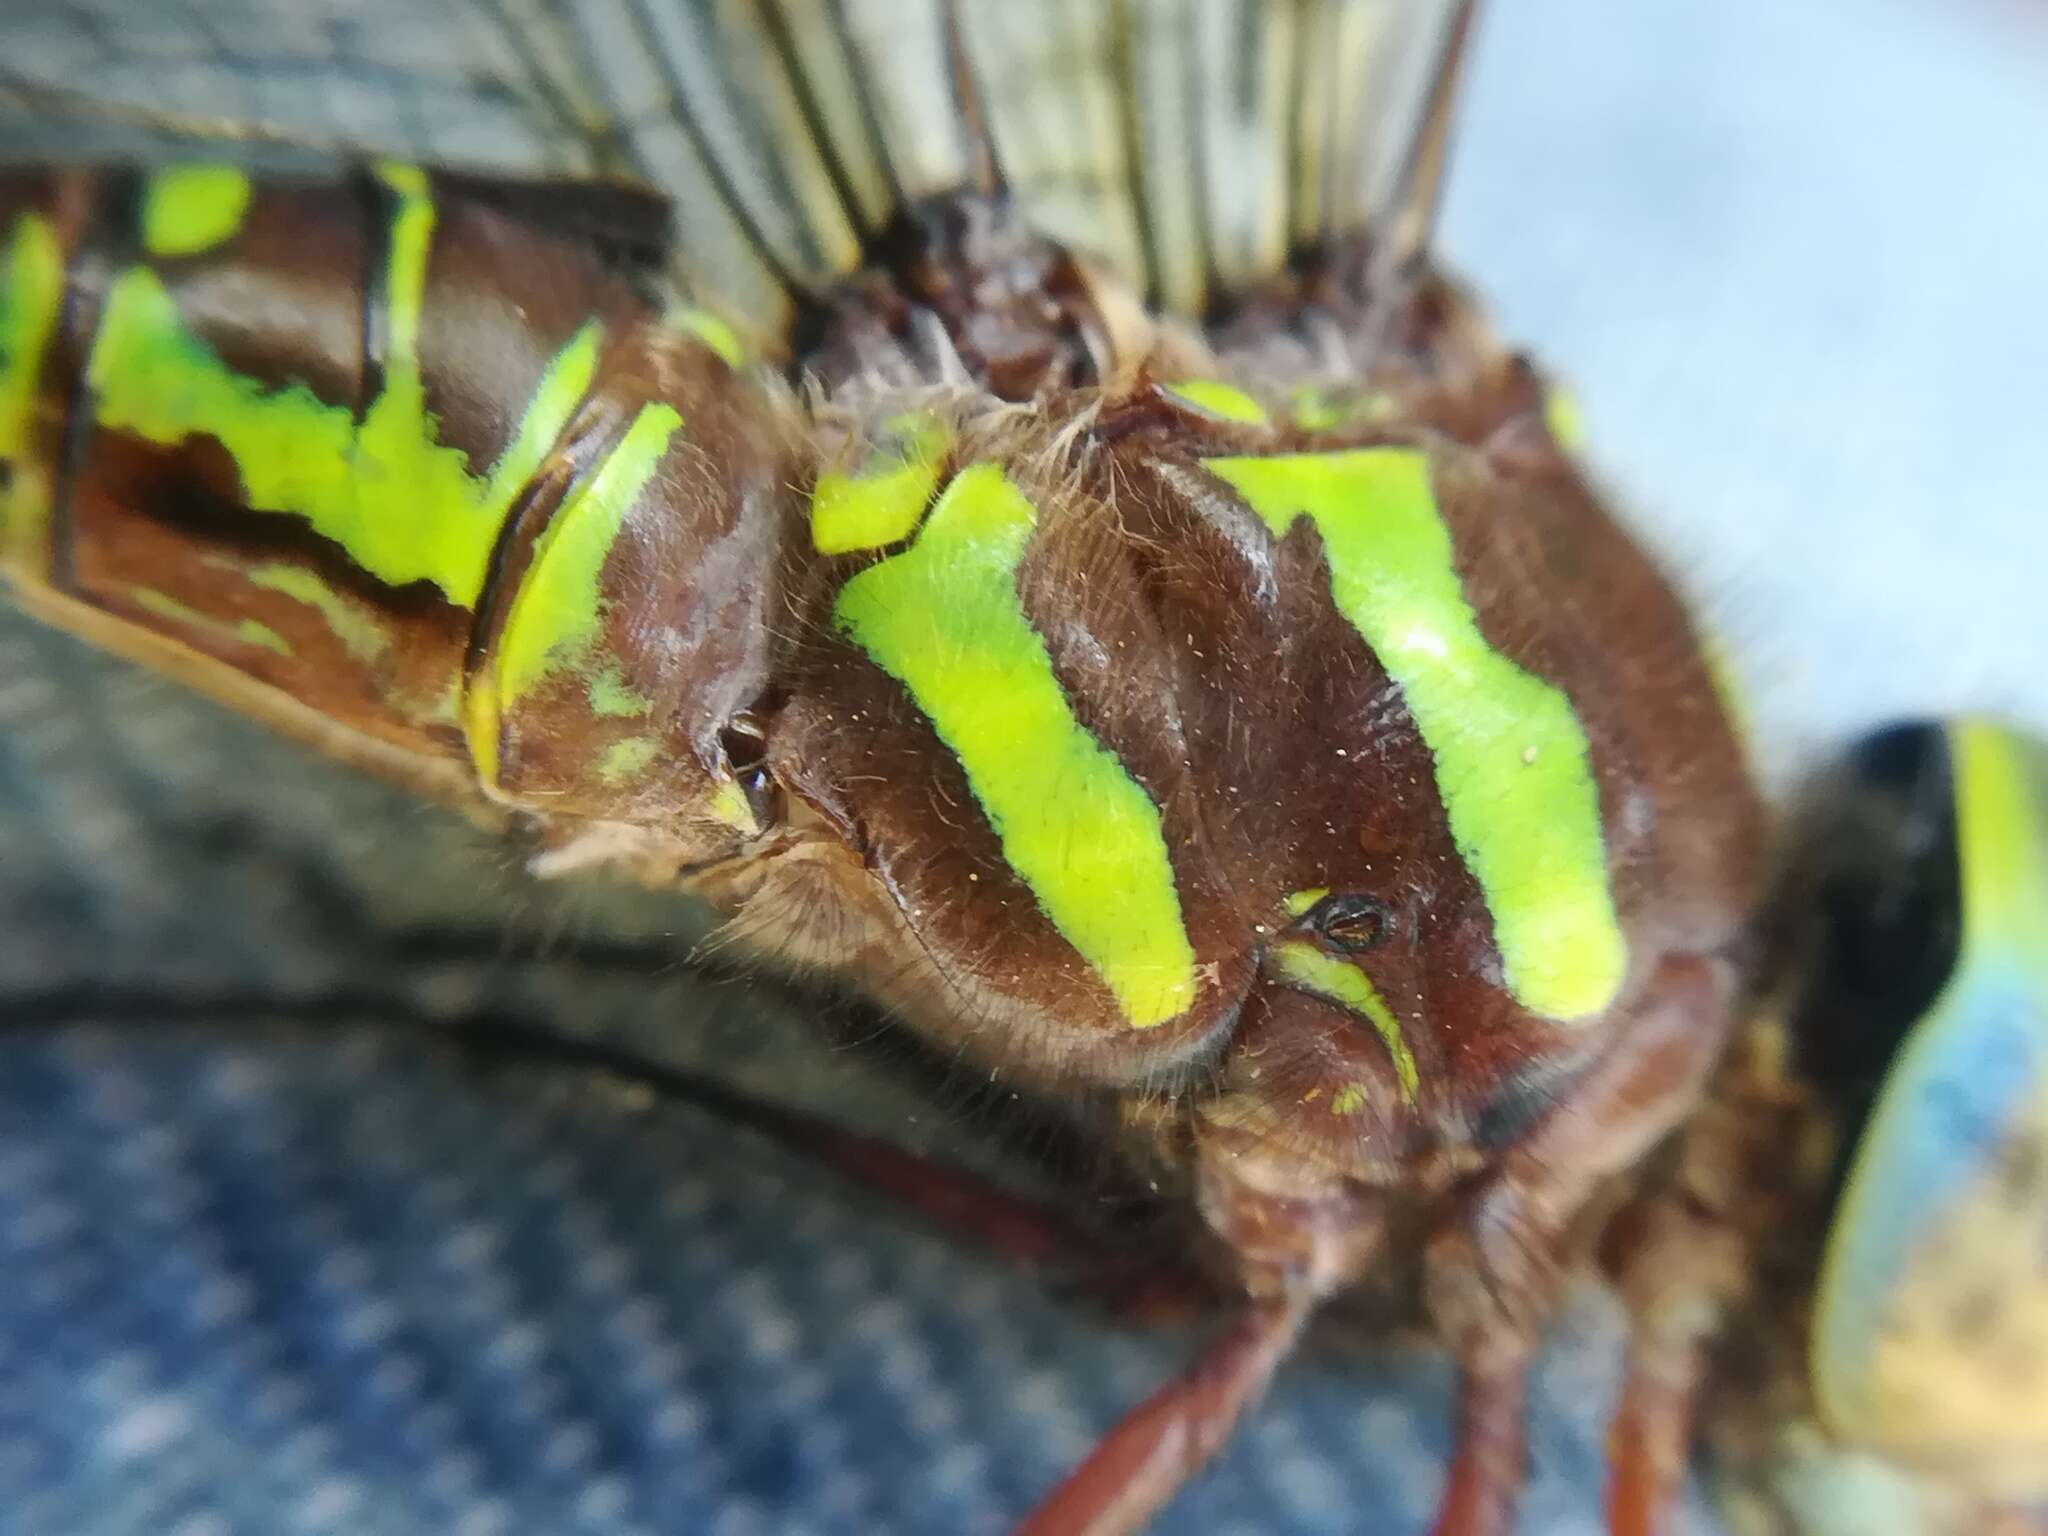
pixel 2002 799
pixel 247 631
pixel 1512 763
pixel 1300 901
pixel 1566 421
pixel 1350 1099
pixel 943 618
pixel 1221 399
pixel 613 697
pixel 710 330
pixel 627 759
pixel 1324 410
pixel 354 625
pixel 881 503
pixel 193 208
pixel 1302 965
pixel 31 295
pixel 729 805
pixel 1727 685
pixel 404 506
pixel 555 617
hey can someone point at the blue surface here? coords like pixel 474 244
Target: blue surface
pixel 292 1266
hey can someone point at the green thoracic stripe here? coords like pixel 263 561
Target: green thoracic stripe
pixel 554 619
pixel 944 619
pixel 1220 399
pixel 404 506
pixel 192 208
pixel 1512 763
pixel 880 503
pixel 1300 963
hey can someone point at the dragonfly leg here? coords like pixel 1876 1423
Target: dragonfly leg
pixel 970 1209
pixel 1678 1272
pixel 1497 1269
pixel 1166 1439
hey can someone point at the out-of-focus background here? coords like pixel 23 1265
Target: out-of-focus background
pixel 272 1260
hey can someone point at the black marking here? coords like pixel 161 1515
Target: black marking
pixel 1124 50
pixel 573 459
pixel 1419 188
pixel 977 133
pixel 1294 217
pixel 1879 908
pixel 608 151
pixel 722 183
pixel 379 209
pixel 1334 147
pixel 1351 924
pixel 814 119
pixel 110 243
pixel 1196 128
pixel 864 98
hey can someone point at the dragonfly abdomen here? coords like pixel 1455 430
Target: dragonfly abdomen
pixel 398 452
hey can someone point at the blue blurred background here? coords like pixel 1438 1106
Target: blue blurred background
pixel 272 1260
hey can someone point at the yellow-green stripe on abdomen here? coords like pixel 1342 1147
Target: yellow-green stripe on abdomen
pixel 943 617
pixel 299 456
pixel 244 494
pixel 1512 763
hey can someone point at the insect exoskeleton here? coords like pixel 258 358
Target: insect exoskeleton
pixel 1875 1158
pixel 1254 719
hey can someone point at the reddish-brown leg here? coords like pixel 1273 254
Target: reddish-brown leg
pixel 1496 1272
pixel 1489 1456
pixel 1165 1440
pixel 967 1208
pixel 1676 1271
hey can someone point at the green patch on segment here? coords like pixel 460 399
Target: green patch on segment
pixel 626 760
pixel 241 632
pixel 1562 415
pixel 1512 762
pixel 944 619
pixel 710 330
pixel 1222 400
pixel 1301 964
pixel 880 503
pixel 353 623
pixel 729 804
pixel 556 615
pixel 192 208
pixel 1350 1099
pixel 1298 903
pixel 1726 681
pixel 613 697
pixel 31 296
pixel 1330 410
pixel 402 505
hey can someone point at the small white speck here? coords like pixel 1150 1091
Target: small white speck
pixel 1528 754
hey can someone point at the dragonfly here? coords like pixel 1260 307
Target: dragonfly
pixel 1068 564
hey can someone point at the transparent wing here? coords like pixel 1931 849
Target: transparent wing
pixel 1189 142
